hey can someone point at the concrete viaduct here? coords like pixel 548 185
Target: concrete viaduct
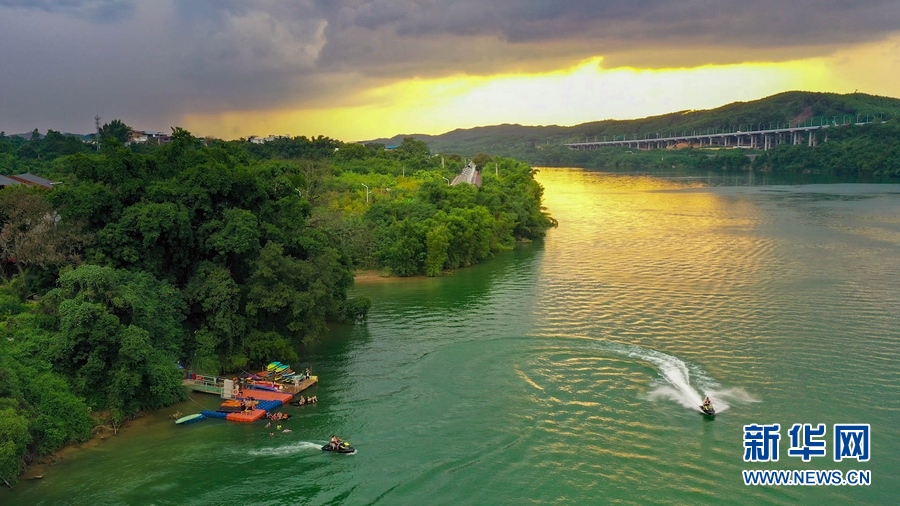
pixel 753 139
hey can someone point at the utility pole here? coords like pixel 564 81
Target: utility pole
pixel 97 135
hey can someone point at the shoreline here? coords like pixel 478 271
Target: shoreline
pixel 41 465
pixel 373 276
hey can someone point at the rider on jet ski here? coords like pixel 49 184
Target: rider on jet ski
pixel 707 405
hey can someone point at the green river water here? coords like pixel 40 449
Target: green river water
pixel 569 371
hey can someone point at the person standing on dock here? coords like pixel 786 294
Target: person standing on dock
pixel 307 373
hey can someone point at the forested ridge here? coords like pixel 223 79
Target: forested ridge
pixel 870 149
pixel 214 255
pixel 848 150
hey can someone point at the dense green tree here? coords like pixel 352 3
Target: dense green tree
pixel 115 129
pixel 481 160
pixel 28 152
pixel 403 247
pixel 91 203
pixel 437 241
pixel 57 416
pixel 120 336
pixel 40 413
pixel 14 439
pixel 216 314
pixel 55 144
pixel 296 296
pixel 154 237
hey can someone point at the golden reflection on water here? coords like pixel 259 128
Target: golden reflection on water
pixel 650 231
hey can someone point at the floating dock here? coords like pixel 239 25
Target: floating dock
pixel 224 387
pixel 266 398
pixel 266 401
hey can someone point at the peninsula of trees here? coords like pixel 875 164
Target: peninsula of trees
pixel 214 255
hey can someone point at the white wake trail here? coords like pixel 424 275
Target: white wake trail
pixel 683 383
pixel 290 449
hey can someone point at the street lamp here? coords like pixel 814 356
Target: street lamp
pixel 447 180
pixel 367 192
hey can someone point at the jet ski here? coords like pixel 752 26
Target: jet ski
pixel 344 447
pixel 708 411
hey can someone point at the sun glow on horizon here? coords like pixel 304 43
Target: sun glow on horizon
pixel 583 93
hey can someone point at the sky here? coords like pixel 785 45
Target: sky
pixel 363 69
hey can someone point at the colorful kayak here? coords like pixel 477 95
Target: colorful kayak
pixel 190 418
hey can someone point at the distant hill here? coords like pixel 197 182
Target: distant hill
pixel 791 106
pixel 27 135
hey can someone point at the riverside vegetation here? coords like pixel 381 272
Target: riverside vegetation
pixel 212 254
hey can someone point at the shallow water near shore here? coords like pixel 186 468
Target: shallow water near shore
pixel 569 371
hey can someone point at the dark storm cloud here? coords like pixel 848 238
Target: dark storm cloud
pixel 726 21
pixel 98 10
pixel 435 37
pixel 149 62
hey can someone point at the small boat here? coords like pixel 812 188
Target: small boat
pixel 190 418
pixel 344 447
pixel 708 411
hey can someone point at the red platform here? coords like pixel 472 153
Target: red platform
pixel 247 416
pixel 267 395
